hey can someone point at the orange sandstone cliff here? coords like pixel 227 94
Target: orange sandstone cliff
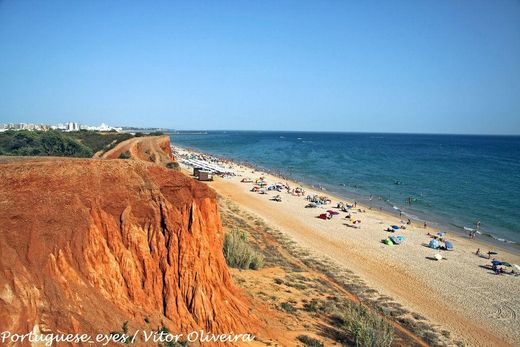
pixel 87 244
pixel 155 149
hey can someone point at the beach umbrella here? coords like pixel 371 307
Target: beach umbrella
pixel 448 245
pixel 395 227
pixel 433 244
pixel 438 256
pixel 505 263
pixel 441 233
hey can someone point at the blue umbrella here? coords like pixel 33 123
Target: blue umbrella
pixel 395 227
pixel 433 244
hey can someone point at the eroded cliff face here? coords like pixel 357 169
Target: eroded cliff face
pixel 86 245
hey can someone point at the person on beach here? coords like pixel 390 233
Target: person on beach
pixel 425 226
pixel 409 222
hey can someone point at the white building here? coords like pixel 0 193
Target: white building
pixel 72 126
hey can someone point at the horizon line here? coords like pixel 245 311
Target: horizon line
pixel 334 132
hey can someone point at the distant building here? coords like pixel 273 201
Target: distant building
pixel 104 127
pixel 71 126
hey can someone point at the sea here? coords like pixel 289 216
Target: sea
pixel 449 181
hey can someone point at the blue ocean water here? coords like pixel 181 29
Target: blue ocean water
pixel 452 180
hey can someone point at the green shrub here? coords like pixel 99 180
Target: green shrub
pixel 98 141
pixel 125 155
pixel 257 262
pixel 173 165
pixel 239 254
pixel 165 330
pixel 42 143
pixel 56 143
pixel 125 327
pixel 310 341
pixel 288 307
pixel 364 327
pixel 311 306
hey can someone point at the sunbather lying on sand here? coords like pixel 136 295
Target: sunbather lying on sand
pixel 353 226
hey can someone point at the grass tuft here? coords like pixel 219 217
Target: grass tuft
pixel 239 254
pixel 310 341
pixel 364 327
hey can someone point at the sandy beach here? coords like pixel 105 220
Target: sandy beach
pixel 456 294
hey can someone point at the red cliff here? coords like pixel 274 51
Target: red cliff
pixel 87 244
pixel 155 149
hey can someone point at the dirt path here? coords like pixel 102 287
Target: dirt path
pixel 148 148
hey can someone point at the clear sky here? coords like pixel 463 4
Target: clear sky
pixel 390 66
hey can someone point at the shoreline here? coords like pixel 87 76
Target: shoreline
pixel 458 295
pixel 483 239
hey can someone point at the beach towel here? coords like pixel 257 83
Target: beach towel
pixel 395 240
pixel 388 242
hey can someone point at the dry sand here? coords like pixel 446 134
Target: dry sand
pixel 475 305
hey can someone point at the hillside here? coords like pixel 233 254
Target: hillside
pixel 81 144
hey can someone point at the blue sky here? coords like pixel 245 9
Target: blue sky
pixel 389 66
